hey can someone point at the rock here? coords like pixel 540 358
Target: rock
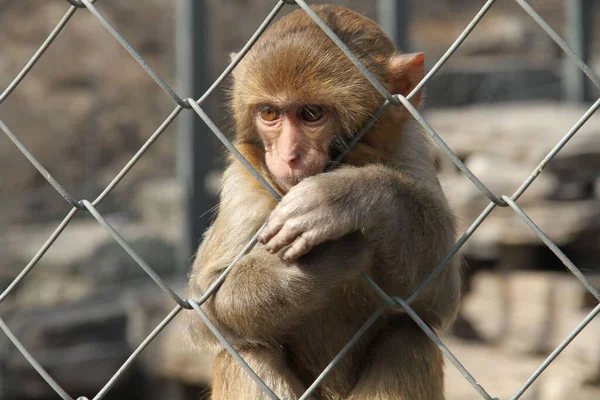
pixel 579 162
pixel 527 315
pixel 50 287
pixel 86 336
pixel 563 223
pixel 502 145
pixel 97 335
pixel 529 312
pixel 515 132
pixel 501 176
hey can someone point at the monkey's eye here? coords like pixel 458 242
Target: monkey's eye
pixel 312 113
pixel 268 113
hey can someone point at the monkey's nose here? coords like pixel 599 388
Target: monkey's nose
pixel 291 160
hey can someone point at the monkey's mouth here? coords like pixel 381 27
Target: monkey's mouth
pixel 287 182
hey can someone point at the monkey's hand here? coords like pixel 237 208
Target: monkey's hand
pixel 320 208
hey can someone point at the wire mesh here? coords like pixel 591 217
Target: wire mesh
pixel 193 305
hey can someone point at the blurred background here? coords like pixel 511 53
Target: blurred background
pixel 501 103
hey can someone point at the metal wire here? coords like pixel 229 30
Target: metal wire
pixel 137 57
pixel 182 103
pixel 34 363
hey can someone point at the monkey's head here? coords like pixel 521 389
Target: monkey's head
pixel 297 96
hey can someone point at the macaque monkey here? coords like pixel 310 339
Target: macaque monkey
pixel 292 303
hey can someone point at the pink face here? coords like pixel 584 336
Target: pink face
pixel 296 139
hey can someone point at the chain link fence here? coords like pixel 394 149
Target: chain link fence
pixel 195 105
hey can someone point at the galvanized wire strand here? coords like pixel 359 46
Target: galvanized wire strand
pixel 553 247
pixel 336 360
pixel 532 177
pixel 440 142
pixel 119 239
pixel 57 186
pixel 38 54
pixel 351 56
pixel 538 170
pixel 457 246
pixel 233 150
pixel 61 227
pixel 404 306
pixel 79 3
pixel 219 281
pixel 232 351
pixel 557 351
pixel 138 351
pixel 386 298
pixel 161 82
pixel 40 370
pixel 452 49
pixel 358 136
pixel 432 335
pixel 242 53
pixel 138 155
pixel 560 42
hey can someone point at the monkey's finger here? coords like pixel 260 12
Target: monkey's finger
pixel 301 246
pixel 286 235
pixel 273 226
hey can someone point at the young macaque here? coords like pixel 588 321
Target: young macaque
pixel 292 303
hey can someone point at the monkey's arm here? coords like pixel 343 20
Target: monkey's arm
pixel 403 215
pixel 412 232
pixel 262 297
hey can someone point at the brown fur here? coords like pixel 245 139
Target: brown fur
pixel 289 319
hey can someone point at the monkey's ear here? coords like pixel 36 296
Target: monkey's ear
pixel 232 56
pixel 405 72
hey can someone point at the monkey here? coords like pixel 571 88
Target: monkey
pixel 292 302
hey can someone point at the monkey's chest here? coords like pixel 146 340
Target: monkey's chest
pixel 320 338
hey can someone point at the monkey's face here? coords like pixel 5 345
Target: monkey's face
pixel 300 98
pixel 296 139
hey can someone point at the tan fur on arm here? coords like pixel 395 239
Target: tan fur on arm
pixel 418 232
pixel 262 297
